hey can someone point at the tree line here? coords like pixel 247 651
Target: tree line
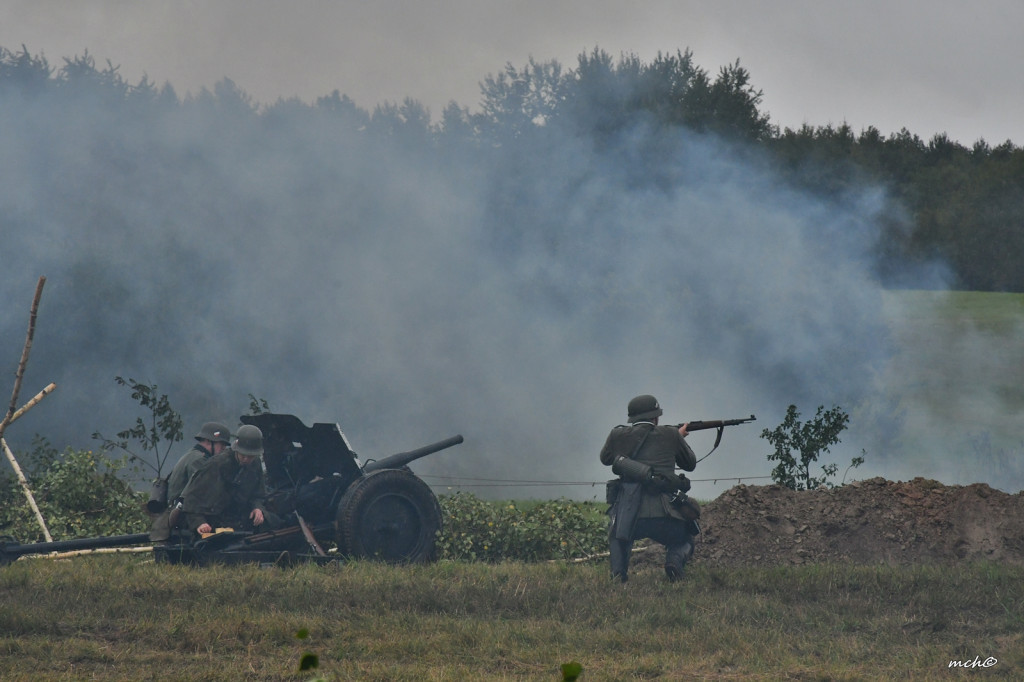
pixel 961 206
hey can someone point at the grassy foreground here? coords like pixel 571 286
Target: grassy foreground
pixel 125 618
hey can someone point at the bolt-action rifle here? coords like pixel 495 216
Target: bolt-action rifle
pixel 719 424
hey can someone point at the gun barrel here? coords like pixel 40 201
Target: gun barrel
pixel 10 551
pixel 402 458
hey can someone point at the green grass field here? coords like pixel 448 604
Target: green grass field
pixel 123 618
pixel 952 342
pixel 997 311
pixel 956 382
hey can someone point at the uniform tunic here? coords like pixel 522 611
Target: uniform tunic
pixel 223 492
pixel 184 469
pixel 664 450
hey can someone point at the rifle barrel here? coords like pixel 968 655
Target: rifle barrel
pixel 717 423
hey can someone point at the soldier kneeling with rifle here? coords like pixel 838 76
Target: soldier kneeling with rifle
pixel 648 500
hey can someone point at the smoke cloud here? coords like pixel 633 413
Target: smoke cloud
pixel 519 294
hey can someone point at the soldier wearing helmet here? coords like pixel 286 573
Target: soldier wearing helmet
pixel 211 440
pixel 229 489
pixel 645 455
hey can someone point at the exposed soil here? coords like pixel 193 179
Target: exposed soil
pixel 865 522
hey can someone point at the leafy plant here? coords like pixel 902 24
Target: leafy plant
pixel 162 425
pixel 571 671
pixel 807 441
pixel 477 530
pixel 258 405
pixel 80 494
pixel 308 661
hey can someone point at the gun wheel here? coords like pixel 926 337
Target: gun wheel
pixel 389 515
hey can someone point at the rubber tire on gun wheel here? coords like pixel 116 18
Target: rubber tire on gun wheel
pixel 389 515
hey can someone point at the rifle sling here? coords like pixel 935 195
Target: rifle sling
pixel 718 439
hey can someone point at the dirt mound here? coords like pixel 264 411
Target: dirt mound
pixel 866 522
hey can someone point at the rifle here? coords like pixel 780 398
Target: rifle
pixel 719 424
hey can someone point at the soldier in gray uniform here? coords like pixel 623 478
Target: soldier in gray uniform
pixel 211 440
pixel 228 490
pixel 645 455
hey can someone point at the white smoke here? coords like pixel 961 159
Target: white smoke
pixel 519 295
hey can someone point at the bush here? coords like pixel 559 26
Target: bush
pixel 79 494
pixel 162 424
pixel 476 530
pixel 808 440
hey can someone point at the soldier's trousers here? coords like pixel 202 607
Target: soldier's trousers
pixel 668 531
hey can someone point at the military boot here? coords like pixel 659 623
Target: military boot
pixel 676 557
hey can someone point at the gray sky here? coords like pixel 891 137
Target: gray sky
pixel 927 65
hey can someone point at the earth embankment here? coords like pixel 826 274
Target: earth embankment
pixel 866 522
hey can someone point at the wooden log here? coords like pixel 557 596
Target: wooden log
pixel 87 552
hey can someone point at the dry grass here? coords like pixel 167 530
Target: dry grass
pixel 122 618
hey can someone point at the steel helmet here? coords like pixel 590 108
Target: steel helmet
pixel 642 408
pixel 214 432
pixel 248 441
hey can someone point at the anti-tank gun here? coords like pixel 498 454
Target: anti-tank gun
pixel 329 506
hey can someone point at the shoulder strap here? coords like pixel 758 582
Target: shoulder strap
pixel 641 443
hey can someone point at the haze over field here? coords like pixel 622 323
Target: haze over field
pixel 519 296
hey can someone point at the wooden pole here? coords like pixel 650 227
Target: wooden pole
pixel 32 403
pixel 12 411
pixel 14 462
pixel 87 552
pixel 28 491
pixel 24 356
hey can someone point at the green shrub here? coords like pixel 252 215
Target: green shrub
pixel 79 493
pixel 477 530
pixel 161 424
pixel 808 440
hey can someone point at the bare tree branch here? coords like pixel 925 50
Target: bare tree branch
pixel 24 357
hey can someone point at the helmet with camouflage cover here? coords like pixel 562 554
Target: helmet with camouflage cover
pixel 248 441
pixel 643 408
pixel 214 432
